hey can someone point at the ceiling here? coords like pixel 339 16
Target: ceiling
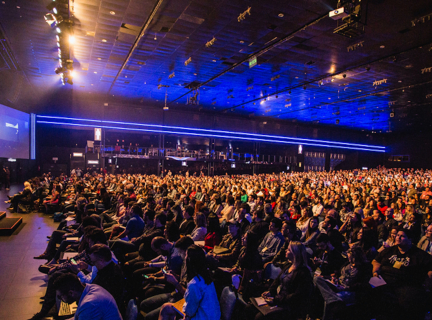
pixel 305 72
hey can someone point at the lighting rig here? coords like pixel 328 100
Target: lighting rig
pixel 59 19
pixel 351 18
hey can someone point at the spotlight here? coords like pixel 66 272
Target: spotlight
pixel 58 44
pixel 58 38
pixel 58 30
pixel 71 39
pixel 72 73
pixel 50 19
pixel 166 108
pixel 55 10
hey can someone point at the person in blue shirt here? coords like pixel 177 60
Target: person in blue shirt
pixel 135 225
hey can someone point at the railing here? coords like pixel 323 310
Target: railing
pixel 184 154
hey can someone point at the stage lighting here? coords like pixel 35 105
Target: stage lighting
pixel 58 38
pixel 58 44
pixel 58 30
pixel 55 10
pixel 72 73
pixel 166 108
pixel 71 39
pixel 50 19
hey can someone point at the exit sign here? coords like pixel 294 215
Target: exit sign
pixel 252 62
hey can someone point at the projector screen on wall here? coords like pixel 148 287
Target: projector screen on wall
pixel 14 133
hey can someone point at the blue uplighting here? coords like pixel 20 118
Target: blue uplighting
pixel 213 134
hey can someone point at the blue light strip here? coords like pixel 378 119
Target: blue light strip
pixel 297 140
pixel 32 136
pixel 207 135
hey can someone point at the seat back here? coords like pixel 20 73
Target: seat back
pixel 271 272
pixel 228 300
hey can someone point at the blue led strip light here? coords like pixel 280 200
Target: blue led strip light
pixel 249 135
pixel 208 135
pixel 33 136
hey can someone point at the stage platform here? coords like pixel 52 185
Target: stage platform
pixel 8 225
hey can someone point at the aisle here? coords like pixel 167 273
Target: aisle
pixel 21 284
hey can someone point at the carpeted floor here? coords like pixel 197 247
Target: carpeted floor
pixel 21 284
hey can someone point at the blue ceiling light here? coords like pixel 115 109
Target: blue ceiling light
pixel 205 133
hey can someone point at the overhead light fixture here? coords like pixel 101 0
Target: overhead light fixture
pixel 281 15
pixel 58 30
pixel 58 38
pixel 58 44
pixel 99 58
pixel 166 108
pixel 55 10
pixel 112 12
pixel 50 19
pixel 72 73
pixel 104 40
pixel 382 46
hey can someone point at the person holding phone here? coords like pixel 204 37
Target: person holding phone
pixel 201 301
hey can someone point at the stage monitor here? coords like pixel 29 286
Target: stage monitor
pixel 14 133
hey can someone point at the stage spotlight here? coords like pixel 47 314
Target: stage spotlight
pixel 58 30
pixel 72 73
pixel 58 38
pixel 166 108
pixel 50 19
pixel 71 39
pixel 55 10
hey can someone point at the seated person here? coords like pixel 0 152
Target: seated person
pixel 249 262
pixel 201 301
pixel 404 268
pixel 213 236
pixel 226 254
pixel 187 225
pixel 327 260
pixel 425 242
pixel 200 231
pixel 94 302
pixel 175 288
pixel 272 242
pixel 353 276
pixel 290 292
pixel 289 231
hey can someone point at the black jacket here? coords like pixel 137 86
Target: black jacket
pixel 112 280
pixel 295 291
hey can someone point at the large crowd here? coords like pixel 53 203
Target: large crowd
pixel 329 245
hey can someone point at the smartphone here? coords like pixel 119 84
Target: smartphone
pixel 73 262
pixel 145 276
pixel 164 271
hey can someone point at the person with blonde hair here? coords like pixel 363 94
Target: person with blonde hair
pixel 290 292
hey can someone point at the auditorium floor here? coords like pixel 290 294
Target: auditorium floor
pixel 21 284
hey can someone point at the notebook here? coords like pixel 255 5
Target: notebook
pixel 178 306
